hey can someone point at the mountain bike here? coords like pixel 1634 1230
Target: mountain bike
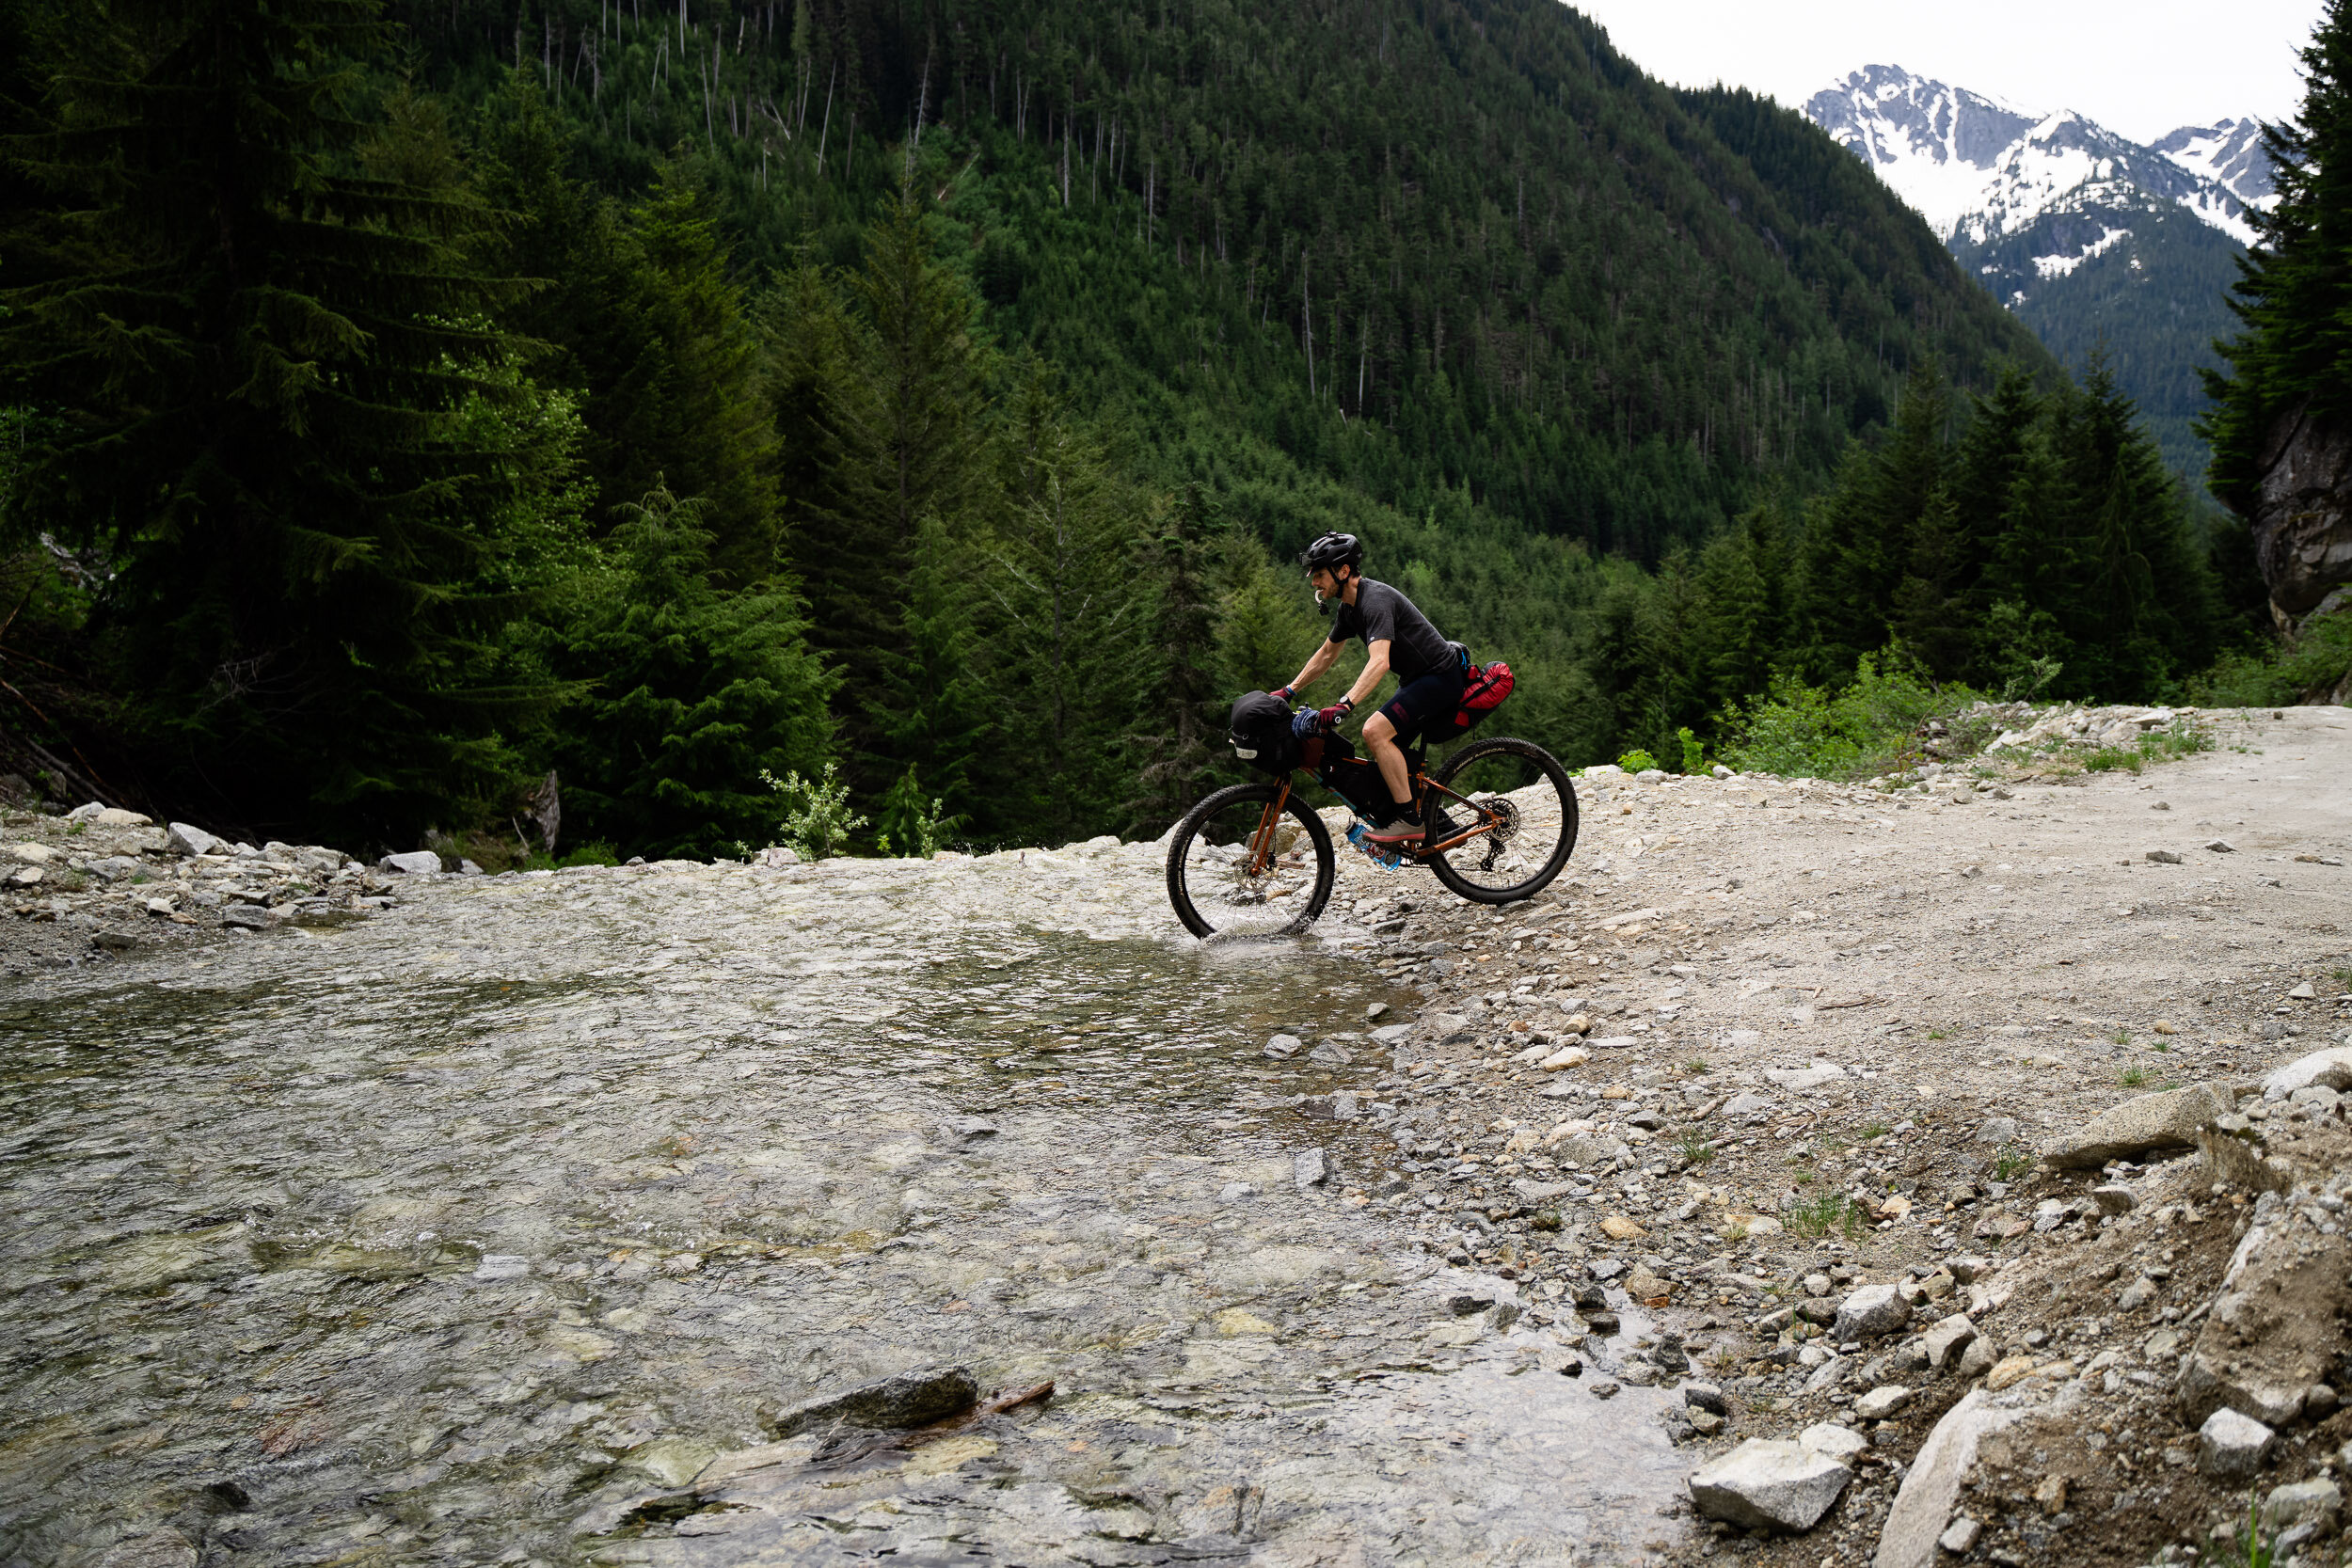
pixel 1254 860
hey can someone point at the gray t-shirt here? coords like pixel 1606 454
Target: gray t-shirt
pixel 1381 614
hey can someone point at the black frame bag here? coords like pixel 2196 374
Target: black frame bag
pixel 1260 732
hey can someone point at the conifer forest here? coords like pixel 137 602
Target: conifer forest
pixel 407 401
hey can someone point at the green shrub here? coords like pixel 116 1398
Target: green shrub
pixel 2106 759
pixel 816 821
pixel 1637 761
pixel 1815 1218
pixel 913 822
pixel 2319 660
pixel 1693 755
pixel 1866 726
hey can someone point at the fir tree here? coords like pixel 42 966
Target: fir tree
pixel 2294 357
pixel 257 341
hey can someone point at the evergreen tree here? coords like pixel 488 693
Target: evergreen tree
pixel 692 692
pixel 2294 358
pixel 1176 752
pixel 257 335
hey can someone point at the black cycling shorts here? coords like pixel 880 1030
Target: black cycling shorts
pixel 1436 695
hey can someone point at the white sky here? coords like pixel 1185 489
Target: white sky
pixel 2137 67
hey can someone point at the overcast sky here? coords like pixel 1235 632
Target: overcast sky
pixel 2139 67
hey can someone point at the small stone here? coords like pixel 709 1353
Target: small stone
pixel 2010 1371
pixel 187 839
pixel 910 1398
pixel 1705 1396
pixel 1949 1338
pixel 2164 1026
pixel 1375 1011
pixel 1604 1389
pixel 1237 1192
pixel 2304 993
pixel 1309 1168
pixel 1769 1483
pixel 2050 1495
pixel 1643 1286
pixel 2318 1499
pixel 1837 1442
pixel 1883 1402
pixel 1283 1047
pixel 249 917
pixel 2222 847
pixel 1869 1313
pixel 1619 1228
pixel 1959 1538
pixel 2165 857
pixel 682 1263
pixel 1997 1129
pixel 2231 1447
pixel 1706 1423
pixel 2319 1401
pixel 1574 1055
pixel 2114 1200
pixel 1817 1285
pixel 2138 1293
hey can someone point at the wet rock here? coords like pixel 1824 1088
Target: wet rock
pixel 163 1548
pixel 969 1130
pixel 909 1399
pixel 185 838
pixel 1769 1483
pixel 1342 1107
pixel 1705 1396
pixel 1331 1053
pixel 1309 1168
pixel 502 1265
pixel 416 862
pixel 1870 1313
pixel 1931 1486
pixel 1392 1034
pixel 2139 1126
pixel 2231 1447
pixel 249 917
pixel 1237 1192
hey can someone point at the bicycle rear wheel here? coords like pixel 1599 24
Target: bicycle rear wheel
pixel 1236 867
pixel 1513 808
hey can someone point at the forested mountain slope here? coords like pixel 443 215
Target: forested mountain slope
pixel 928 388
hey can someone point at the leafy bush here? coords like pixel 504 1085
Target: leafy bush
pixel 1693 755
pixel 1637 761
pixel 816 821
pixel 1861 728
pixel 2317 662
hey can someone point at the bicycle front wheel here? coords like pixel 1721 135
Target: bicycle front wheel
pixel 1505 811
pixel 1237 866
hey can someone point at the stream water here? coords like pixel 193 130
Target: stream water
pixel 475 1233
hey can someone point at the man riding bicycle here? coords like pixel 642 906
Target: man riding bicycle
pixel 1430 671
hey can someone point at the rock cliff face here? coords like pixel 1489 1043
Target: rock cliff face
pixel 2302 518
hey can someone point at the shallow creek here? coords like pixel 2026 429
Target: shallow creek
pixel 477 1233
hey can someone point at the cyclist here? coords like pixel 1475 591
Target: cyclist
pixel 1430 672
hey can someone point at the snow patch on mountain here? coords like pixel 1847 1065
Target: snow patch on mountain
pixel 1981 169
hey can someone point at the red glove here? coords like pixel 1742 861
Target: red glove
pixel 1329 718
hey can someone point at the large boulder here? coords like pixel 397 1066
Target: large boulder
pixel 2301 518
pixel 416 862
pixel 1930 1489
pixel 2139 1126
pixel 186 838
pixel 1769 1483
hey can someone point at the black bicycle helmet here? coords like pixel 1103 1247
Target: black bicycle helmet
pixel 1334 549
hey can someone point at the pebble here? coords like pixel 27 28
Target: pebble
pixel 1883 1402
pixel 2231 1447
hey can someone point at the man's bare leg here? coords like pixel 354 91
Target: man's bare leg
pixel 1386 755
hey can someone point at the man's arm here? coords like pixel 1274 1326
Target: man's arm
pixel 1375 670
pixel 1322 658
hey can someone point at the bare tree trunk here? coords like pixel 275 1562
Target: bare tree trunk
pixel 1307 322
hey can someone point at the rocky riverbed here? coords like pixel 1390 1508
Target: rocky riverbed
pixel 457 1219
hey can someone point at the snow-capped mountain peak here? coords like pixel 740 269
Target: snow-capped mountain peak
pixel 2228 152
pixel 1981 169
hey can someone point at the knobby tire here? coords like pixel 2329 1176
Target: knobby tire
pixel 1180 850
